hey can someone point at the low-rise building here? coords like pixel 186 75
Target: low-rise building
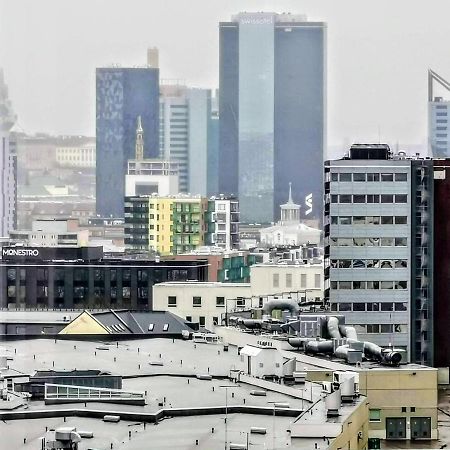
pixel 82 277
pixel 52 233
pixel 204 303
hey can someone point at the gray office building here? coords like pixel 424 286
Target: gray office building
pixel 272 113
pixel 188 136
pixel 122 95
pixel 378 227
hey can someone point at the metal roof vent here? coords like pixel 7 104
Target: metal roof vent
pixel 333 403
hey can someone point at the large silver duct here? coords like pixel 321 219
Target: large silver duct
pixel 335 331
pixel 281 304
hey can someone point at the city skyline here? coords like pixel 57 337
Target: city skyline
pixel 390 94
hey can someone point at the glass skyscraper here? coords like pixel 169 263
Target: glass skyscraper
pixel 272 113
pixel 123 94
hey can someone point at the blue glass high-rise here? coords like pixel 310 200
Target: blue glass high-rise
pixel 123 94
pixel 272 113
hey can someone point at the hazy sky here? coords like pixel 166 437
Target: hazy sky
pixel 378 56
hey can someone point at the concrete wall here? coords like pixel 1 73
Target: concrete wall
pixel 208 292
pixel 291 278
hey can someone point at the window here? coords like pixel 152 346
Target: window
pixel 188 318
pixel 401 220
pixel 334 177
pixel 196 301
pixel 387 242
pixel 289 280
pixel 345 198
pixel 359 199
pixel 387 198
pixel 401 285
pixel 400 242
pixel 345 284
pixel 334 220
pixel 261 365
pixel 151 326
pixel 373 220
pixel 375 198
pixel 373 306
pixel 276 280
pixel 373 177
pixel 373 284
pixel 359 177
pixel 401 198
pixel 201 321
pixel 387 220
pixel 387 177
pixel 220 302
pixel 334 198
pixel 400 306
pixel 317 280
pixel 386 264
pixel 388 306
pixel 359 220
pixel 387 285
pixel 303 280
pixel 386 328
pixel 345 177
pixel 373 328
pixel 165 327
pixel 375 415
pixel 359 306
pixel 401 177
pixel 345 263
pixel 345 306
pixel 171 300
pixel 345 220
pixel 359 284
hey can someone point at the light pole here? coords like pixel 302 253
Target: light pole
pixel 274 404
pixel 226 387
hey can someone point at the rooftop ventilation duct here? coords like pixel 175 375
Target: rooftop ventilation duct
pixel 281 304
pixel 333 403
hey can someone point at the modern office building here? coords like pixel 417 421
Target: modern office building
pixel 222 221
pixel 123 94
pixel 438 118
pixel 272 112
pixel 58 277
pixel 379 247
pixel 8 172
pixel 188 135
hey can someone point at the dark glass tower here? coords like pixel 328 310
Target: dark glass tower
pixel 123 94
pixel 272 113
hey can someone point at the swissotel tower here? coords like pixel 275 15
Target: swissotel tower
pixel 272 110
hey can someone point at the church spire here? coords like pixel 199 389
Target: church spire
pixel 139 149
pixel 290 193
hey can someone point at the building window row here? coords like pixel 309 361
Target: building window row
pixel 369 263
pixel 370 306
pixel 369 198
pixel 371 177
pixel 370 242
pixel 383 328
pixel 357 285
pixel 369 220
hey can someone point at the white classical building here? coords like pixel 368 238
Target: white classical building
pixel 289 230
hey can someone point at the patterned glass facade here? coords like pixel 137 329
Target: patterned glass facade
pixel 123 94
